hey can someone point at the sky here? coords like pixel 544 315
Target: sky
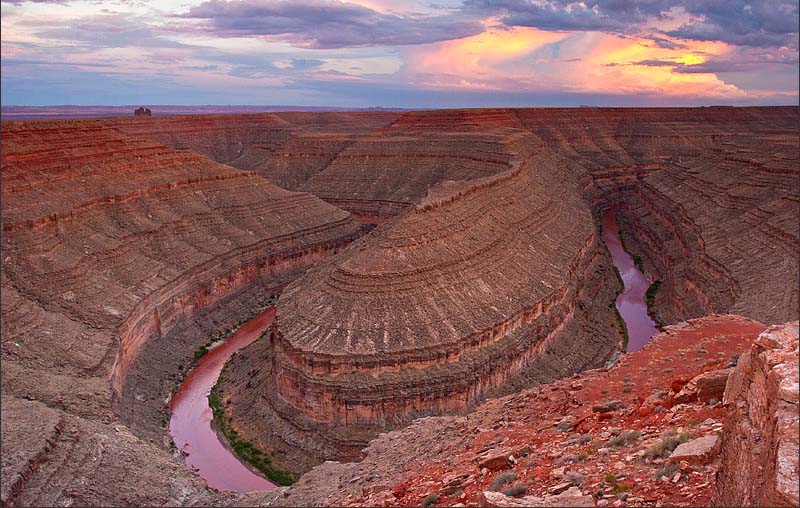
pixel 400 53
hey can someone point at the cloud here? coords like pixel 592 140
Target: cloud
pixel 617 16
pixel 665 43
pixel 109 31
pixel 20 2
pixel 745 60
pixel 658 63
pixel 761 23
pixel 327 24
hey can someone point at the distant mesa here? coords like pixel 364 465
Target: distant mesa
pixel 142 111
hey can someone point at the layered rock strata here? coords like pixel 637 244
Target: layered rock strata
pixel 760 442
pixel 707 195
pixel 352 160
pixel 483 284
pixel 708 199
pixel 110 240
pixel 114 235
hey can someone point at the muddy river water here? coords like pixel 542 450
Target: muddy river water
pixel 190 423
pixel 631 303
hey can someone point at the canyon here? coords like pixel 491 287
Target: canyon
pixel 426 264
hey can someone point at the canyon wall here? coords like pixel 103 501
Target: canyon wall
pixel 760 443
pixel 716 185
pixel 352 160
pixel 708 196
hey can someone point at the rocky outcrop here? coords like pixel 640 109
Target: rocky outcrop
pixel 760 442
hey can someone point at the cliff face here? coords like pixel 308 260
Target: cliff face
pixel 707 195
pixel 708 199
pixel 352 160
pixel 109 241
pixel 759 447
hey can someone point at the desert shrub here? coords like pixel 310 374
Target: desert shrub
pixel 619 489
pixel 518 489
pixel 503 479
pixel 430 500
pixel 585 439
pixel 668 443
pixel 624 438
pixel 610 478
pixel 575 478
pixel 667 470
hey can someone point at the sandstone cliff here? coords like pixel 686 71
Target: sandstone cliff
pixel 760 445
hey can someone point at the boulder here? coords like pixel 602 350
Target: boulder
pixel 704 387
pixel 572 497
pixel 495 460
pixel 711 385
pixel 698 451
pixel 608 405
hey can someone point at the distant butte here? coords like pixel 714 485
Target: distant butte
pixel 426 261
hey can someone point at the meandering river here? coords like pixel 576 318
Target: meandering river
pixel 631 303
pixel 191 420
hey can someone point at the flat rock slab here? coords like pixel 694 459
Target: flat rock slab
pixel 607 406
pixel 495 461
pixel 572 497
pixel 711 385
pixel 698 451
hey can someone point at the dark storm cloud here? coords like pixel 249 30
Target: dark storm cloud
pixel 742 60
pixel 324 24
pixel 746 60
pixel 658 63
pixel 663 43
pixel 606 16
pixel 741 22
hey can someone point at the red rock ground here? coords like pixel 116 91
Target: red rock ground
pixel 530 421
